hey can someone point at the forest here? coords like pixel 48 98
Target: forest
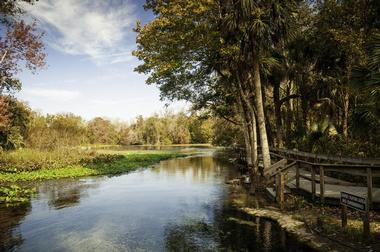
pixel 24 128
pixel 299 75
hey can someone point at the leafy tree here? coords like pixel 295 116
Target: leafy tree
pixel 55 131
pixel 20 43
pixel 102 131
pixel 14 123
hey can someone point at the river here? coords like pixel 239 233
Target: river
pixel 179 205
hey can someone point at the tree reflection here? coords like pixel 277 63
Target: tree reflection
pixel 10 219
pixel 228 229
pixel 66 193
pixel 199 169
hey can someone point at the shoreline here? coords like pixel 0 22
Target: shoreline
pixel 125 164
pixel 301 230
pixel 293 227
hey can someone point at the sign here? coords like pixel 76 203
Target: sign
pixel 353 201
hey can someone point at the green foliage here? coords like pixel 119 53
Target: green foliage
pixel 100 159
pixel 169 128
pixel 14 121
pixel 201 130
pixel 21 45
pixel 54 131
pixel 32 160
pixel 87 164
pixel 15 195
pixel 101 131
pixel 226 134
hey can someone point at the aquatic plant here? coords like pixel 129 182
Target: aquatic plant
pixel 15 195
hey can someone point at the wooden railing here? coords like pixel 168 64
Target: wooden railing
pixel 323 163
pixel 365 167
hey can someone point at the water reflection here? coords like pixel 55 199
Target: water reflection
pixel 66 192
pixel 160 147
pixel 10 218
pixel 181 205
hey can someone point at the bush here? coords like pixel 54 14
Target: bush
pixel 32 160
pixel 100 159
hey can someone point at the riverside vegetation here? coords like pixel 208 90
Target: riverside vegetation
pixel 30 165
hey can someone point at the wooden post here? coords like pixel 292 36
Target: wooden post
pixel 344 216
pixel 369 187
pixel 322 184
pixel 298 175
pixel 313 183
pixel 282 190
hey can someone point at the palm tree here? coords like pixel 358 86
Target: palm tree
pixel 261 26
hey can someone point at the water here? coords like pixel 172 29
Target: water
pixel 180 205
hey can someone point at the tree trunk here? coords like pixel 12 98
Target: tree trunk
pixel 254 142
pixel 267 119
pixel 261 116
pixel 289 113
pixel 247 139
pixel 346 100
pixel 277 113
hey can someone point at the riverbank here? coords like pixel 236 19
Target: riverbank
pixel 315 226
pixel 27 165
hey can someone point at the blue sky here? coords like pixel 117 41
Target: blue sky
pixel 89 64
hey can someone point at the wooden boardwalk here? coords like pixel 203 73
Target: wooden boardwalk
pixel 332 189
pixel 321 177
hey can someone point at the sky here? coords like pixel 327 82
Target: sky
pixel 89 70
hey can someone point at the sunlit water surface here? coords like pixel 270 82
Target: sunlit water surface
pixel 179 205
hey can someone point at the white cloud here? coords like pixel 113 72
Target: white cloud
pixel 99 29
pixel 52 94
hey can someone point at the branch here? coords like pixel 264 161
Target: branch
pixel 3 57
pixel 287 98
pixel 230 120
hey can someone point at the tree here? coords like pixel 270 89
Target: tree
pixel 20 43
pixel 101 131
pixel 55 131
pixel 15 121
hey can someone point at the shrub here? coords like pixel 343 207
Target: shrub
pixel 100 158
pixel 31 160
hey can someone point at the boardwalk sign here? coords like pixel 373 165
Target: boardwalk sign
pixel 353 201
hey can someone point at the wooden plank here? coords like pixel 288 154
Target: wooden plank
pixel 367 161
pixel 328 180
pixel 282 190
pixel 333 191
pixel 345 166
pixel 284 169
pixel 322 184
pixel 276 166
